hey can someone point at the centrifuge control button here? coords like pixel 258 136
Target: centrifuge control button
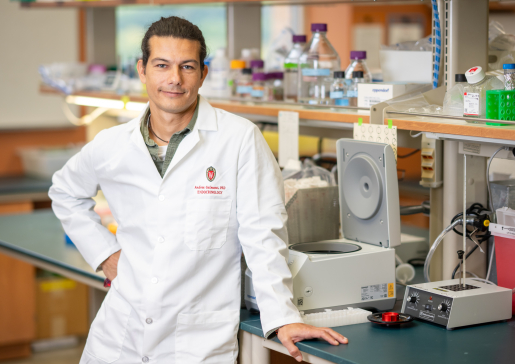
pixel 442 307
pixel 412 299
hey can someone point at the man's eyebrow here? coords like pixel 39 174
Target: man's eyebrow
pixel 190 60
pixel 160 60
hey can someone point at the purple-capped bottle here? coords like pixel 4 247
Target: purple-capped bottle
pixel 358 63
pixel 257 65
pixel 316 66
pixel 259 86
pixel 291 68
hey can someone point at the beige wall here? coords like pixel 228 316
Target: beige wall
pixel 28 38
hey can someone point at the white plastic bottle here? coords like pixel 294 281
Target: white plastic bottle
pixel 358 63
pixel 291 64
pixel 474 93
pixel 316 66
pixel 220 74
pixel 246 55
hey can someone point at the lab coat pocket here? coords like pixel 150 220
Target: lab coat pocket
pixel 207 221
pixel 207 337
pixel 108 330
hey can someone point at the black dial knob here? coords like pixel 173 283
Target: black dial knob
pixel 412 299
pixel 442 307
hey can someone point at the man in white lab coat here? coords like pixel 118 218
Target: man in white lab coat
pixel 190 187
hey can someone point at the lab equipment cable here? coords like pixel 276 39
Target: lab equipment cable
pixel 480 225
pixel 468 255
pixel 490 202
pixel 435 245
pixel 408 154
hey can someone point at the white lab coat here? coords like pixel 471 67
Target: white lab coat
pixel 176 298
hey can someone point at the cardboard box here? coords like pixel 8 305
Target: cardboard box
pixel 61 308
pixel 406 66
pixel 373 93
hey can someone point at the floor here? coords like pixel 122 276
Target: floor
pixel 62 356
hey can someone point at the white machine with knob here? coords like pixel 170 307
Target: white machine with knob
pixel 358 270
pixel 453 304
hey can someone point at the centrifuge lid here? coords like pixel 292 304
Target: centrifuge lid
pixel 325 247
pixel 369 192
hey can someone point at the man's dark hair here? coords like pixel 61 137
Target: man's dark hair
pixel 176 27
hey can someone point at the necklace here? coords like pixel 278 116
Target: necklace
pixel 149 126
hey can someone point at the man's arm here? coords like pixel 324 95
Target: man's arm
pixel 72 190
pixel 263 236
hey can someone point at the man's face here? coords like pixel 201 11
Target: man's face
pixel 173 74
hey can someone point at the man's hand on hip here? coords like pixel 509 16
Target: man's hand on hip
pixel 110 266
pixel 293 333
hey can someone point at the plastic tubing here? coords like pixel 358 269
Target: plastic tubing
pixel 435 245
pixel 438 44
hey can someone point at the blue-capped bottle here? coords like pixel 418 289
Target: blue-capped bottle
pixel 316 66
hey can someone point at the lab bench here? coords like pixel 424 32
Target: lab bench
pixel 38 238
pixel 415 342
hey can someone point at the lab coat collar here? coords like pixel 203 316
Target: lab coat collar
pixel 206 120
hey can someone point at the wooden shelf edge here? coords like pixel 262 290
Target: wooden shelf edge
pixel 235 107
pixel 83 4
pixel 114 3
pixel 472 130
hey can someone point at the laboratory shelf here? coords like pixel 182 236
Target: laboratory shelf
pixel 496 6
pixel 257 111
pixel 454 129
pixel 114 3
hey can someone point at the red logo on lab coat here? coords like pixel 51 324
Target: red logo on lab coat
pixel 210 174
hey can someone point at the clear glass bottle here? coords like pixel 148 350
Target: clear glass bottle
pixel 339 90
pixel 352 92
pixel 474 93
pixel 275 86
pixel 244 84
pixel 509 76
pixel 258 86
pixel 291 64
pixel 453 100
pixel 358 63
pixel 235 74
pixel 316 65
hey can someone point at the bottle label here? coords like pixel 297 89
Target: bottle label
pixel 352 93
pixel 244 89
pixel 257 93
pixel 316 72
pixel 471 104
pixel 341 102
pixel 336 94
pixel 290 65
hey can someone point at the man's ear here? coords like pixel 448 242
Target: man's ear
pixel 204 75
pixel 141 72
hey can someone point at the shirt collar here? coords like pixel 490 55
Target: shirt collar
pixel 144 125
